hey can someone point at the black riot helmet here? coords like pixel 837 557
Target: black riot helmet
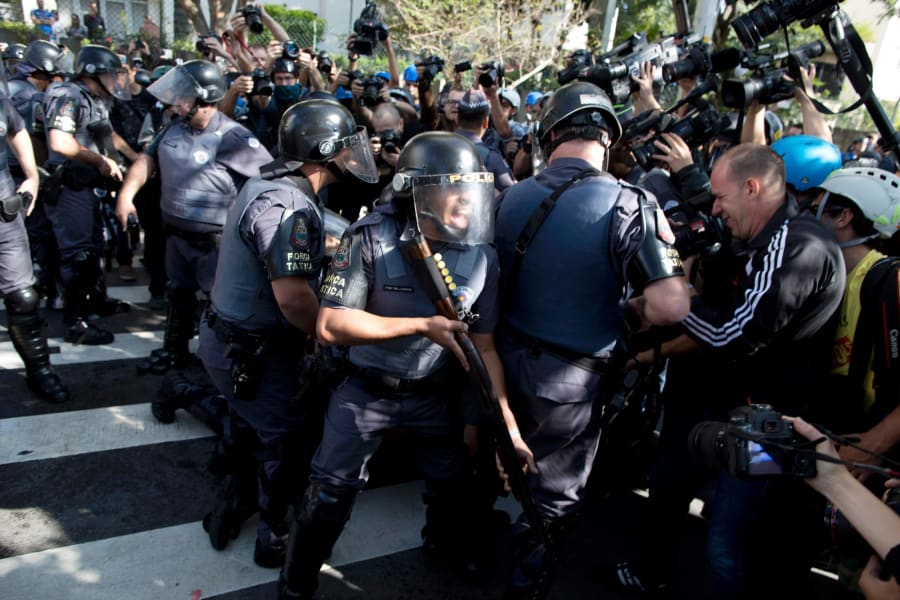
pixel 323 131
pixel 43 56
pixel 453 195
pixel 13 54
pixel 198 79
pixel 578 104
pixel 101 64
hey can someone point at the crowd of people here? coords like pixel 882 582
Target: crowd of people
pixel 308 222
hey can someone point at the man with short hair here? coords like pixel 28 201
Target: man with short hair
pixel 474 113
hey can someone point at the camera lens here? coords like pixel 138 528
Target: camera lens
pixel 706 444
pixel 753 27
pixel 672 72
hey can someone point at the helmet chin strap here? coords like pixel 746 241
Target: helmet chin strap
pixel 193 111
pixel 849 243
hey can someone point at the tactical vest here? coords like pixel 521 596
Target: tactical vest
pixel 567 293
pixel 7 185
pixel 196 190
pixel 242 293
pixel 396 292
pixel 28 100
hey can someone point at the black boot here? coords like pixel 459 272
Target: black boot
pixel 318 524
pixel 26 332
pixel 454 532
pixel 180 324
pixel 85 269
pixel 83 333
pixel 234 505
pixel 535 560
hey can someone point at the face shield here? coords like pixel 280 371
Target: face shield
pixel 354 154
pixel 116 83
pixel 176 88
pixel 455 207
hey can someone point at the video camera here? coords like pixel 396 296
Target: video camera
pixel 768 18
pixel 369 30
pixel 253 16
pixel 613 70
pixel 700 124
pixel 492 73
pixel 432 66
pixel 767 84
pixel 699 60
pixel 696 232
pixel 756 442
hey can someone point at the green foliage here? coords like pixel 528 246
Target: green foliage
pixel 305 27
pixel 654 17
pixel 15 32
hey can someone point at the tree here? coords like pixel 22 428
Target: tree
pixel 527 36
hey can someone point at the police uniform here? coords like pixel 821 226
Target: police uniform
pixel 273 230
pixel 409 382
pixel 201 173
pixel 15 259
pixel 603 234
pixel 75 212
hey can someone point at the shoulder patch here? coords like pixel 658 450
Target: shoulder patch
pixel 300 235
pixel 341 258
pixel 663 230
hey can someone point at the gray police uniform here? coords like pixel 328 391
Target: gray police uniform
pixel 15 258
pixel 75 212
pixel 558 334
pixel 273 230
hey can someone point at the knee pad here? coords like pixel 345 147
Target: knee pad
pixel 22 301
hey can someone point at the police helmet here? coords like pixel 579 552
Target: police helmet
pixel 103 65
pixel 321 131
pixel 876 192
pixel 159 71
pixel 578 103
pixel 198 79
pixel 285 65
pixel 43 56
pixel 13 54
pixel 808 160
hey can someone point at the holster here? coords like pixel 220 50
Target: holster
pixel 51 182
pixel 13 205
pixel 247 353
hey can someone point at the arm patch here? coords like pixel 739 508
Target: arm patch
pixel 64 116
pixel 346 283
pixel 297 248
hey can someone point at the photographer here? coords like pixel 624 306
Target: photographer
pixel 878 524
pixel 814 124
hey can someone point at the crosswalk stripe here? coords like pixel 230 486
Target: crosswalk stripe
pixel 24 439
pixel 134 344
pixel 127 293
pixel 172 562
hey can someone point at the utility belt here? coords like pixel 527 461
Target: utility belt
pixel 248 352
pixel 381 384
pixel 596 364
pixel 78 176
pixel 205 241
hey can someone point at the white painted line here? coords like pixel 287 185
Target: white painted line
pixel 135 344
pixel 174 561
pixel 135 294
pixel 39 437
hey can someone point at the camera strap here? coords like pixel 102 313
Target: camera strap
pixel 537 218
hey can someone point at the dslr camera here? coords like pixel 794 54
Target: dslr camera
pixel 325 62
pixel 262 85
pixel 756 442
pixel 290 50
pixel 432 66
pixel 253 17
pixel 369 30
pixel 390 141
pixel 696 127
pixel 696 232
pixel 203 39
pixel 767 84
pixel 492 73
pixel 371 90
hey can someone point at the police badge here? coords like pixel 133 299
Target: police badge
pixel 341 258
pixel 300 237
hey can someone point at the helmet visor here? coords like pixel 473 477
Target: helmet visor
pixel 355 155
pixel 455 207
pixel 176 88
pixel 116 83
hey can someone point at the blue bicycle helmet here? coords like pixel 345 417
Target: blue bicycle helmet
pixel 808 160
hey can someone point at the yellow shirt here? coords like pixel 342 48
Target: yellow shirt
pixel 849 316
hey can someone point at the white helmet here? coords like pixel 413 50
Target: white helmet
pixel 876 192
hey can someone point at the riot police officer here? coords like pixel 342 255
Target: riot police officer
pixel 264 305
pixel 16 277
pixel 203 159
pixel 37 70
pixel 401 363
pixel 83 150
pixel 610 236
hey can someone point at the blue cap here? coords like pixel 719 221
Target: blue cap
pixel 342 93
pixel 410 75
pixel 533 98
pixel 474 103
pixel 383 75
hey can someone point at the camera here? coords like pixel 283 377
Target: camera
pixel 369 30
pixel 290 49
pixel 253 17
pixel 491 74
pixel 612 71
pixel 767 18
pixel 432 66
pixel 390 141
pixel 325 62
pixel 262 85
pixel 700 124
pixel 202 41
pixel 756 442
pixel 699 60
pixel 696 232
pixel 462 67
pixel 767 84
pixel 371 91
